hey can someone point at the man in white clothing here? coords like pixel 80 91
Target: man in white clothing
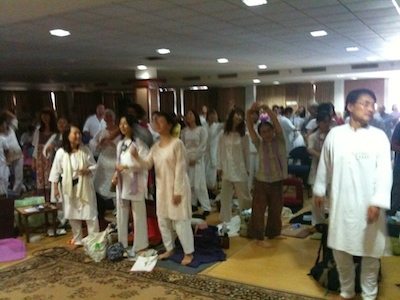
pixel 355 164
pixel 95 122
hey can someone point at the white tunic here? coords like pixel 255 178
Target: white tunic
pixel 73 208
pixel 210 157
pixel 234 157
pixel 171 179
pixel 93 125
pixel 357 165
pixel 288 132
pixel 195 142
pixel 105 162
pixel 127 176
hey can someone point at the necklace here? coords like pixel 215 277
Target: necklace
pixel 125 146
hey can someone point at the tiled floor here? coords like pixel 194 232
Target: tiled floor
pixel 283 267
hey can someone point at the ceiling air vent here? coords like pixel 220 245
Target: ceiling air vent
pixel 152 58
pixel 313 70
pixel 266 73
pixel 224 76
pixel 191 78
pixel 364 66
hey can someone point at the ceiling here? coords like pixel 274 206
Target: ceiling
pixel 109 38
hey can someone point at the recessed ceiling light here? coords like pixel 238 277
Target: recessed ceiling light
pixel 339 76
pixel 353 78
pixel 262 66
pixel 222 60
pixel 352 49
pixel 142 67
pixel 163 51
pixel 199 88
pixel 59 32
pixel 256 80
pixel 318 33
pixel 254 2
pixel 276 82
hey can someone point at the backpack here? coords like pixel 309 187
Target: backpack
pixel 115 252
pixel 325 271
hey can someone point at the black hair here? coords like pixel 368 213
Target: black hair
pixel 326 106
pixel 211 111
pixel 241 128
pixel 322 115
pixel 140 112
pixel 288 110
pixel 196 117
pixel 264 123
pixel 131 120
pixel 303 114
pixel 66 145
pixel 354 95
pixel 53 121
pixel 169 118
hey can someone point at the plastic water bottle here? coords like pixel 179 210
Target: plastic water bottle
pixel 295 226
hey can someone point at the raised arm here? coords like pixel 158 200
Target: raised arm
pixel 249 122
pixel 274 120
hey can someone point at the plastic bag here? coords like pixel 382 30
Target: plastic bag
pixel 95 245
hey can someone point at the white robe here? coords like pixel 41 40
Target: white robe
pixel 234 157
pixel 74 208
pixel 171 179
pixel 357 165
pixel 210 158
pixel 105 162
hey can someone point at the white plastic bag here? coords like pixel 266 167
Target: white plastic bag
pixel 96 245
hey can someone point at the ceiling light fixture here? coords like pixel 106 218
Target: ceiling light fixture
pixel 276 82
pixel 262 67
pixel 352 49
pixel 222 60
pixel 318 33
pixel 142 67
pixel 163 51
pixel 372 58
pixel 254 2
pixel 199 88
pixel 256 80
pixel 60 32
pixel 396 6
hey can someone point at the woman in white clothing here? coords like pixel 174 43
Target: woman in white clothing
pixel 214 130
pixel 4 171
pixel 106 148
pixel 233 164
pixel 74 166
pixel 173 188
pixel 131 181
pixel 194 137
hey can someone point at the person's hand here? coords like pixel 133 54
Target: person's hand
pixel 56 193
pixel 177 199
pixel 84 172
pixel 134 152
pixel 219 172
pixel 319 201
pixel 372 214
pixel 121 167
pixel 192 162
pixel 114 180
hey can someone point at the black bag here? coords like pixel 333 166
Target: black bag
pixel 115 252
pixel 325 272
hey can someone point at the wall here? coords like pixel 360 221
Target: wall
pixel 375 85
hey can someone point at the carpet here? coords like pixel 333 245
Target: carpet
pixel 58 273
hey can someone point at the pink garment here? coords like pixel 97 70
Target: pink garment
pixel 12 249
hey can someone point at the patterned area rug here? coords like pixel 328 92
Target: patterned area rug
pixel 58 273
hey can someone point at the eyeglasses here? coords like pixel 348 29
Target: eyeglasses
pixel 366 104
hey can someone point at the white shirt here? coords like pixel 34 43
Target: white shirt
pixel 356 164
pixel 94 125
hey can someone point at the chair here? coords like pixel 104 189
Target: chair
pixel 299 164
pixel 294 201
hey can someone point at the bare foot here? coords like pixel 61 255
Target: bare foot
pixel 165 254
pixel 187 259
pixel 263 244
pixel 279 237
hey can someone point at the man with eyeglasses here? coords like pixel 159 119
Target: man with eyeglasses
pixel 355 165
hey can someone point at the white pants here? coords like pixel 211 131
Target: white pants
pixel 18 169
pixel 183 230
pixel 141 240
pixel 243 194
pixel 347 275
pixel 201 194
pixel 253 168
pixel 76 227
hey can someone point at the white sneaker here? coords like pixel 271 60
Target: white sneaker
pixel 50 232
pixel 61 231
pixel 131 255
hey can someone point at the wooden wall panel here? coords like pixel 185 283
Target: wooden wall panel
pixel 272 95
pixel 325 92
pixel 375 85
pixel 167 101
